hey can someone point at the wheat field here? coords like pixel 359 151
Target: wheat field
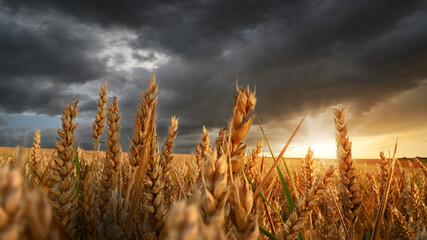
pixel 223 191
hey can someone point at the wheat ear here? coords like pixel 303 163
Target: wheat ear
pixel 114 150
pixel 299 216
pixel 141 124
pixel 201 151
pixel 423 168
pixel 12 205
pixel 166 158
pixel 250 169
pixel 327 219
pixel 99 123
pixel 185 224
pixel 412 204
pixel 401 229
pixel 384 199
pixel 38 216
pixel 240 123
pixel 385 168
pixel 89 219
pixel 101 113
pixel 108 178
pixel 307 179
pixel 241 208
pixel 168 146
pixel 350 190
pixel 113 224
pixel 153 196
pixel 23 214
pixel 62 194
pixel 34 160
pixel 218 141
pixel 214 194
pixel 140 144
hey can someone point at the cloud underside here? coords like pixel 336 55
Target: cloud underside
pixel 302 56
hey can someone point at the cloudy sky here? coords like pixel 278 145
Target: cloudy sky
pixel 302 56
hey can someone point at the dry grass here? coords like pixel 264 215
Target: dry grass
pixel 152 193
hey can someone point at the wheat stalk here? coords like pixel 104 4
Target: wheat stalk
pixel 266 213
pixel 384 199
pixel 270 171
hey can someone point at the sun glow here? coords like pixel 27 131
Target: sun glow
pixel 326 149
pixel 318 134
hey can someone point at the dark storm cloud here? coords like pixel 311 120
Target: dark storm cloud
pixel 12 137
pixel 3 121
pixel 40 56
pixel 51 52
pixel 301 55
pixel 17 96
pixel 211 20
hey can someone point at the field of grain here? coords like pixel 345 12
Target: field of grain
pixel 223 191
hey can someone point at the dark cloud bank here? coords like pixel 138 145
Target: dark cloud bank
pixel 300 55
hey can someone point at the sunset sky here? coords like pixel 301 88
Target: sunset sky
pixel 302 57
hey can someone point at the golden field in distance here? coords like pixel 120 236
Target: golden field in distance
pixel 184 159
